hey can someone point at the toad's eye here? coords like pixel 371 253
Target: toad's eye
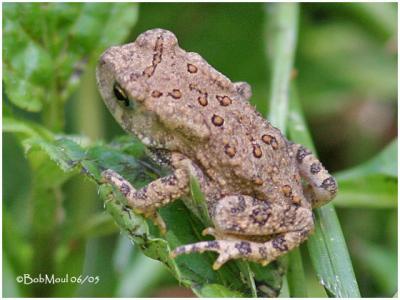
pixel 120 94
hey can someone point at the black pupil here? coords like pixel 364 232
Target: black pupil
pixel 119 94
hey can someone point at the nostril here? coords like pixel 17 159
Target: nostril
pixel 102 61
pixel 110 55
pixel 105 57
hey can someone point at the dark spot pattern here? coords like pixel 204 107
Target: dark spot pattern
pixel 125 189
pixel 149 71
pixel 296 199
pixel 202 100
pixel 330 185
pixel 244 248
pixel 302 153
pixel 217 120
pixel 287 190
pixel 241 205
pixel 280 243
pixel 141 194
pixel 156 94
pixel 263 251
pixel 315 168
pixel 180 250
pixel 170 179
pixel 230 150
pixel 260 215
pixel 234 210
pixel 270 140
pixel 224 100
pixel 176 94
pixel 191 68
pixel 212 245
pixel 134 75
pixel 257 152
pixel 195 248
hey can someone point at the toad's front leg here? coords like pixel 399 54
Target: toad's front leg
pixel 157 193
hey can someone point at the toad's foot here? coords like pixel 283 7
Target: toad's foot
pixel 262 253
pixel 322 187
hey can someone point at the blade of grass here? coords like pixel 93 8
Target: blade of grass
pixel 371 184
pixel 282 31
pixel 295 275
pixel 327 247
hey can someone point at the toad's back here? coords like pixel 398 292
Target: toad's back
pixel 227 137
pixel 207 117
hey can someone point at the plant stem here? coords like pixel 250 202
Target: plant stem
pixel 296 282
pixel 282 31
pixel 283 34
pixel 327 247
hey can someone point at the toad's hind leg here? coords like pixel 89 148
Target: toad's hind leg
pixel 262 253
pixel 245 215
pixel 240 219
pixel 322 186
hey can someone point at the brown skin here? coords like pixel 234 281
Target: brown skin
pixel 197 121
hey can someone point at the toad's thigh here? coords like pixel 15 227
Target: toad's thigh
pixel 249 216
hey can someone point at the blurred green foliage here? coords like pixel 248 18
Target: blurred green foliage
pixel 345 78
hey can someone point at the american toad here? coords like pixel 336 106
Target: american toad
pixel 198 122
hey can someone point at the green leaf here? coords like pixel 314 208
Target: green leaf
pixel 27 65
pixel 330 256
pixel 198 206
pixel 327 246
pixel 25 128
pixel 46 45
pixel 379 18
pixel 10 288
pixel 115 21
pixel 141 274
pixel 183 227
pixel 377 261
pixel 295 275
pixel 371 184
pixel 217 291
pixel 384 163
